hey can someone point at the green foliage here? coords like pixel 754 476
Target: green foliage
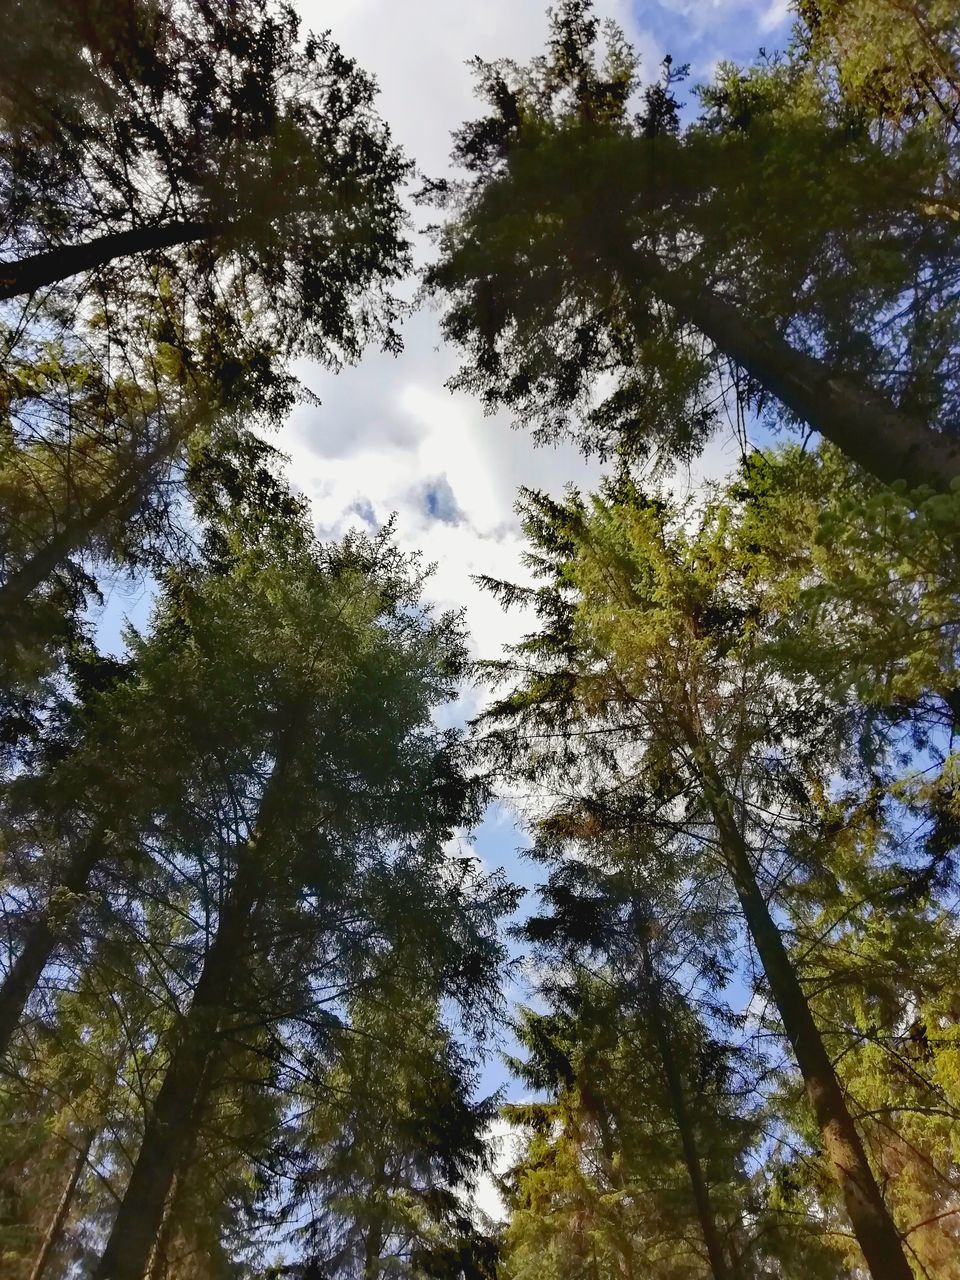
pixel 247 985
pixel 899 63
pixel 391 1145
pixel 601 1186
pixel 583 238
pixel 276 673
pixel 245 197
pixel 180 114
pixel 767 624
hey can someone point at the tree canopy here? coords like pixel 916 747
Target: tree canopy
pixel 252 974
pixel 780 232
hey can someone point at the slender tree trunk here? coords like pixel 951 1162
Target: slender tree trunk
pixel 121 496
pixel 872 1224
pixel 171 1128
pixel 157 1266
pixel 30 274
pixel 176 1109
pixel 374 1241
pixel 371 1253
pixel 41 941
pixel 870 430
pixel 681 1112
pixel 52 1237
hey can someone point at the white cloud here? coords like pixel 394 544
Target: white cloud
pixel 418 51
pixel 388 433
pixel 775 15
pixel 503 1141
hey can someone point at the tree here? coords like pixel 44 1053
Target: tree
pixel 193 125
pixel 604 1173
pixel 586 241
pixel 638 947
pixel 257 802
pixel 650 639
pixel 899 62
pixel 342 810
pixel 191 197
pixel 657 936
pixel 81 803
pixel 868 611
pixel 74 1091
pixel 392 1142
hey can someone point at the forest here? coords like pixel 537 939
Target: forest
pixel 253 969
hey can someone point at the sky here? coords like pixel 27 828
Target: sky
pixel 388 437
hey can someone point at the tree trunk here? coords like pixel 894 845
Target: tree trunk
pixel 41 941
pixel 120 497
pixel 872 1224
pixel 159 1262
pixel 863 424
pixel 176 1110
pixel 30 274
pixel 52 1237
pixel 688 1139
pixel 373 1244
pixel 171 1127
pixel 371 1252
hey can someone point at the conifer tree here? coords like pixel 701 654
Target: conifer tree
pixel 392 1146
pixel 342 810
pixel 220 132
pixel 593 249
pixel 606 1174
pixel 80 803
pixel 651 640
pixel 291 801
pixel 192 195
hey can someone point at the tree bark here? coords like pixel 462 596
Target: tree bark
pixel 158 1263
pixel 371 1252
pixel 872 1224
pixel 681 1112
pixel 41 941
pixel 176 1110
pixel 170 1132
pixel 863 424
pixel 53 265
pixel 52 1236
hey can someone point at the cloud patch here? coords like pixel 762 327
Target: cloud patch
pixel 438 501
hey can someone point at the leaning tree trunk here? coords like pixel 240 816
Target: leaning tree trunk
pixel 681 1112
pixel 886 442
pixel 176 1110
pixel 53 265
pixel 41 941
pixel 872 1224
pixel 171 1128
pixel 159 1261
pixel 52 1237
